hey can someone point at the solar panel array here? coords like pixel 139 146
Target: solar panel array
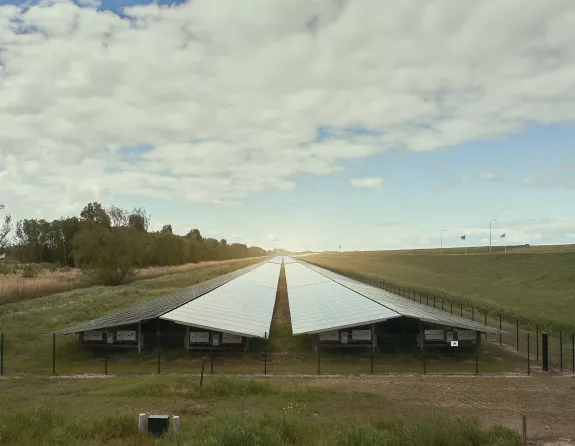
pixel 401 305
pixel 243 306
pixel 158 306
pixel 319 304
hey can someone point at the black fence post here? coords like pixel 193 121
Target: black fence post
pixel 158 346
pixel 517 335
pixel 212 362
pixel 477 347
pixel 528 355
pixel 442 304
pixel 434 301
pixel 318 360
pixel 461 308
pixel 372 347
pixel 422 346
pixel 53 353
pixel 500 334
pixel 485 317
pixel 202 372
pixel 537 341
pixel 266 353
pixel 561 351
pixel 2 354
pixel 545 351
pixel 451 305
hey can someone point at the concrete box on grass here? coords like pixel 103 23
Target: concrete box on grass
pixel 158 424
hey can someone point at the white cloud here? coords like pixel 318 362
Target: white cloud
pixel 488 175
pixel 230 99
pixel 369 182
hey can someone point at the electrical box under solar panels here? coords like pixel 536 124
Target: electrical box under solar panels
pixel 466 335
pixel 329 336
pixel 344 337
pixel 126 335
pixel 228 338
pixel 361 335
pixel 434 335
pixel 449 336
pixel 199 337
pixel 94 335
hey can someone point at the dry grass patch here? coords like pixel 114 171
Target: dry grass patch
pixel 45 280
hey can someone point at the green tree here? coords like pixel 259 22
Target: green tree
pixel 167 228
pixel 112 254
pixel 94 212
pixel 5 229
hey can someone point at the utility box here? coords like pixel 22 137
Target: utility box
pixel 434 335
pixel 361 335
pixel 329 336
pixel 158 424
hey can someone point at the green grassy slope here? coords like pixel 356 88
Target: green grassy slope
pixel 537 287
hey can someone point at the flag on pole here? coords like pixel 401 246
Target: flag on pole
pixel 464 237
pixel 503 235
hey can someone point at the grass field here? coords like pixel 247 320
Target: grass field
pixel 226 412
pixel 27 323
pixel 28 281
pixel 536 286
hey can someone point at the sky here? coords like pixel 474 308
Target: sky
pixel 305 124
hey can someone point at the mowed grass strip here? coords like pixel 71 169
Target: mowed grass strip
pixel 27 347
pixel 226 411
pixel 537 287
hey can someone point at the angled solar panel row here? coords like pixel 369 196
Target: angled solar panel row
pixel 318 304
pixel 401 305
pixel 243 306
pixel 158 306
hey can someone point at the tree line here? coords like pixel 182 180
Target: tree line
pixel 111 242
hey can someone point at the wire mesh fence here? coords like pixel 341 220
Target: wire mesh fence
pixel 47 354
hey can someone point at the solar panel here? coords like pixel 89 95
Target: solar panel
pixel 405 307
pixel 318 304
pixel 160 305
pixel 243 306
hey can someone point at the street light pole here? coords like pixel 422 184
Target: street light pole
pixel 444 230
pixel 490 225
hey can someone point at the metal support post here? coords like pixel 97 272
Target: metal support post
pixel 461 308
pixel 53 353
pixel 473 313
pixel 372 346
pixel 158 335
pixel 442 304
pixel 537 341
pixel 318 351
pixel 517 335
pixel 477 347
pixel 433 301
pixel 266 353
pixel 545 351
pixel 561 351
pixel 485 317
pixel 528 355
pixel 451 305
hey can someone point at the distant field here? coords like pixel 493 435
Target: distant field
pixel 537 284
